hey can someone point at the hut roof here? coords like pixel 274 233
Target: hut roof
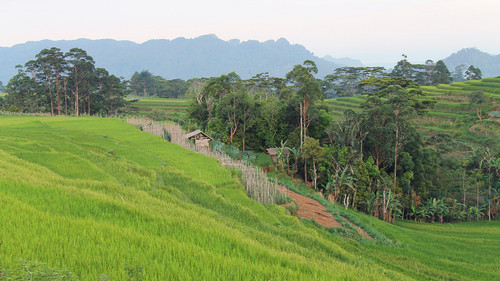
pixel 196 132
pixel 272 151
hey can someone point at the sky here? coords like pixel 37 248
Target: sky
pixel 373 31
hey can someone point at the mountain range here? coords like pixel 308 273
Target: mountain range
pixel 208 56
pixel 204 56
pixel 489 64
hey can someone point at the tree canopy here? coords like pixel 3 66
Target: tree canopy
pixel 65 83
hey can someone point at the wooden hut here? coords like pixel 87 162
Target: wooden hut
pixel 273 153
pixel 199 138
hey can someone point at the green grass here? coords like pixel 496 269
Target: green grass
pixel 3 94
pixel 160 109
pixel 97 196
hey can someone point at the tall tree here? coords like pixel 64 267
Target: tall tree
pixel 308 91
pixel 391 108
pixel 142 83
pixel 314 152
pixel 441 74
pixel 459 73
pixel 473 73
pixel 81 67
pixel 403 68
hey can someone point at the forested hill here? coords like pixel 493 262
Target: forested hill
pixel 489 64
pixel 204 56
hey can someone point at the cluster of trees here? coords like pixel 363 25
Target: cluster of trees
pixel 65 83
pixel 345 81
pixel 464 73
pixel 432 74
pixel 146 84
pixel 428 74
pixel 374 160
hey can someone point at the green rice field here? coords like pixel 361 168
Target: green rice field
pixel 452 112
pixel 104 201
pixel 166 108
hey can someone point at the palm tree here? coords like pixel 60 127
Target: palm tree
pixel 337 182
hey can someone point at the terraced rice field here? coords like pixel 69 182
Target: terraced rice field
pixel 105 201
pixel 452 112
pixel 148 106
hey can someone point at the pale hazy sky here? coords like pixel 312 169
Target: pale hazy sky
pixel 370 30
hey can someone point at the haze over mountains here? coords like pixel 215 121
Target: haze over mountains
pixel 204 56
pixel 489 64
pixel 207 56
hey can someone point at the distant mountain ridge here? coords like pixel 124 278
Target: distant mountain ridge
pixel 344 61
pixel 489 64
pixel 204 56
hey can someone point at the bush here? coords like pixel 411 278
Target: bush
pixel 14 108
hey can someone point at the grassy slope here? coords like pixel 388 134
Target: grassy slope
pixel 96 196
pixel 182 216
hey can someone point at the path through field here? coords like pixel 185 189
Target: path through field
pixel 311 209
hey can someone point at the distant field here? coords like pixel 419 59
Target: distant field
pixel 102 199
pixel 3 94
pixel 165 107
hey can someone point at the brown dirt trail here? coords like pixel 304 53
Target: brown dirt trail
pixel 311 209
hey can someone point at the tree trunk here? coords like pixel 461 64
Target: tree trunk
pixel 396 158
pixel 477 201
pixel 243 140
pixel 463 188
pixel 489 193
pixel 396 149
pixel 77 105
pixel 315 175
pixel 305 170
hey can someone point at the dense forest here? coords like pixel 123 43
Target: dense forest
pixel 375 161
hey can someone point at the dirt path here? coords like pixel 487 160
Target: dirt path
pixel 311 209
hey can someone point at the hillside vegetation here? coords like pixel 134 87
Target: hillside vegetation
pixel 104 200
pixel 452 113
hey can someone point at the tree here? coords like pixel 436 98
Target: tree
pixel 491 164
pixel 142 83
pixel 387 121
pixel 22 93
pixel 403 68
pixel 111 91
pixel 81 68
pixel 441 74
pixel 247 115
pixel 314 152
pixel 265 85
pixel 345 80
pixel 476 99
pixel 308 91
pixel 473 73
pixel 40 83
pixel 459 73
